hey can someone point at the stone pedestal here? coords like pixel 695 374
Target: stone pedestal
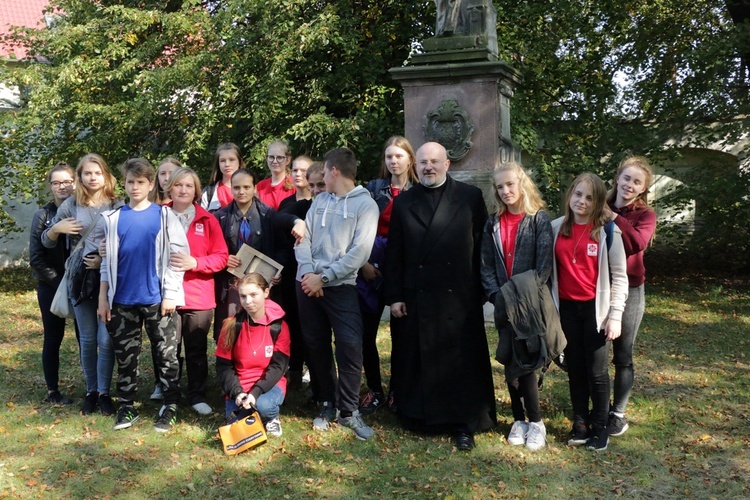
pixel 466 108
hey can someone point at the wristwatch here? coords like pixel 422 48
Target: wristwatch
pixel 324 279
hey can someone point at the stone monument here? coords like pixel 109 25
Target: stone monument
pixel 458 93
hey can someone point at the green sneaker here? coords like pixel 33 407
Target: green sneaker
pixel 166 419
pixel 126 417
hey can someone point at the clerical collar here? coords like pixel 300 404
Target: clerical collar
pixel 438 185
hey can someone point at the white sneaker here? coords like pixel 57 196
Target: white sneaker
pixel 273 427
pixel 202 408
pixel 517 435
pixel 157 395
pixel 536 438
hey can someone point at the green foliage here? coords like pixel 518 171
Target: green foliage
pixel 141 77
pixel 133 78
pixel 604 78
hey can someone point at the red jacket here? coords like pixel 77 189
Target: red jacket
pixel 207 246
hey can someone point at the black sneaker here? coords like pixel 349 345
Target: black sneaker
pixel 599 439
pixel 89 403
pixel 371 402
pixel 166 419
pixel 105 405
pixel 127 415
pixel 56 398
pixel 617 426
pixel 579 435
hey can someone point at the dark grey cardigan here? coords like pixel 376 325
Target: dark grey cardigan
pixel 534 250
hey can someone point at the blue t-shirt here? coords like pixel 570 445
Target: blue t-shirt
pixel 137 280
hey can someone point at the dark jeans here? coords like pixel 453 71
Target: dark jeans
pixel 370 356
pixel 622 348
pixel 54 331
pixel 587 357
pixel 337 309
pixel 285 293
pixel 125 329
pixel 194 327
pixel 524 398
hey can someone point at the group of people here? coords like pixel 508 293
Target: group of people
pixel 414 239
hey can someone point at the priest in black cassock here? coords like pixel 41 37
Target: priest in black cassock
pixel 441 375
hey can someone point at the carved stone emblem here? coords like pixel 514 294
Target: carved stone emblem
pixel 450 125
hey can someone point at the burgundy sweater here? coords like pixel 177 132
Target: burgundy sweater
pixel 637 224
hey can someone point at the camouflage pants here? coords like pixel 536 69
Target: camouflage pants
pixel 125 329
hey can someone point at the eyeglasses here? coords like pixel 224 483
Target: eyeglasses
pixel 57 184
pixel 275 159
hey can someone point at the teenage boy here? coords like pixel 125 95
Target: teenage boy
pixel 341 226
pixel 138 287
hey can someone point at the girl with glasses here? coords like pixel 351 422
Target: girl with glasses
pixel 279 186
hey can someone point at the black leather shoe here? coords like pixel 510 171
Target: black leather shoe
pixel 465 441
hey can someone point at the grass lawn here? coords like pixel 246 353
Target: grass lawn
pixel 689 432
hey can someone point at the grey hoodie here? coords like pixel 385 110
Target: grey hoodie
pixel 339 234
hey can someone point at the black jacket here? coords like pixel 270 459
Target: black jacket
pixel 47 264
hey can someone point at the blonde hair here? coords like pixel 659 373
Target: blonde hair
pixel 181 172
pixel 638 162
pixel 81 194
pixel 229 327
pixel 598 191
pixel 288 153
pixel 530 198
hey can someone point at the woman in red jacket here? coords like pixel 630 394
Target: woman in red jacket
pixel 208 255
pixel 628 208
pixel 252 354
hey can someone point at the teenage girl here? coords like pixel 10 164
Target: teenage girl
pixel 250 363
pixel 218 193
pixel 397 174
pixel 516 239
pixel 246 220
pixel 94 193
pixel 279 186
pixel 159 194
pixel 285 294
pixel 208 255
pixel 590 286
pixel 48 267
pixel 628 204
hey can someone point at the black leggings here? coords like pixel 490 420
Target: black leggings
pixel 524 398
pixel 54 331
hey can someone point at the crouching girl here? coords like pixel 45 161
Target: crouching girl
pixel 252 354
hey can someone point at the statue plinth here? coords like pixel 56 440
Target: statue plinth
pixel 465 106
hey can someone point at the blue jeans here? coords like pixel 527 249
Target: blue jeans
pixel 267 404
pixel 622 348
pixel 97 355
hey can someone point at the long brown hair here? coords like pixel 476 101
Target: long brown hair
pixel 216 174
pixel 81 194
pixel 403 143
pixel 598 190
pixel 638 162
pixel 229 330
pixel 158 195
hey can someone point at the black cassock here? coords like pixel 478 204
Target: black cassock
pixel 440 361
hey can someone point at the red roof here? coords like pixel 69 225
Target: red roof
pixel 28 13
